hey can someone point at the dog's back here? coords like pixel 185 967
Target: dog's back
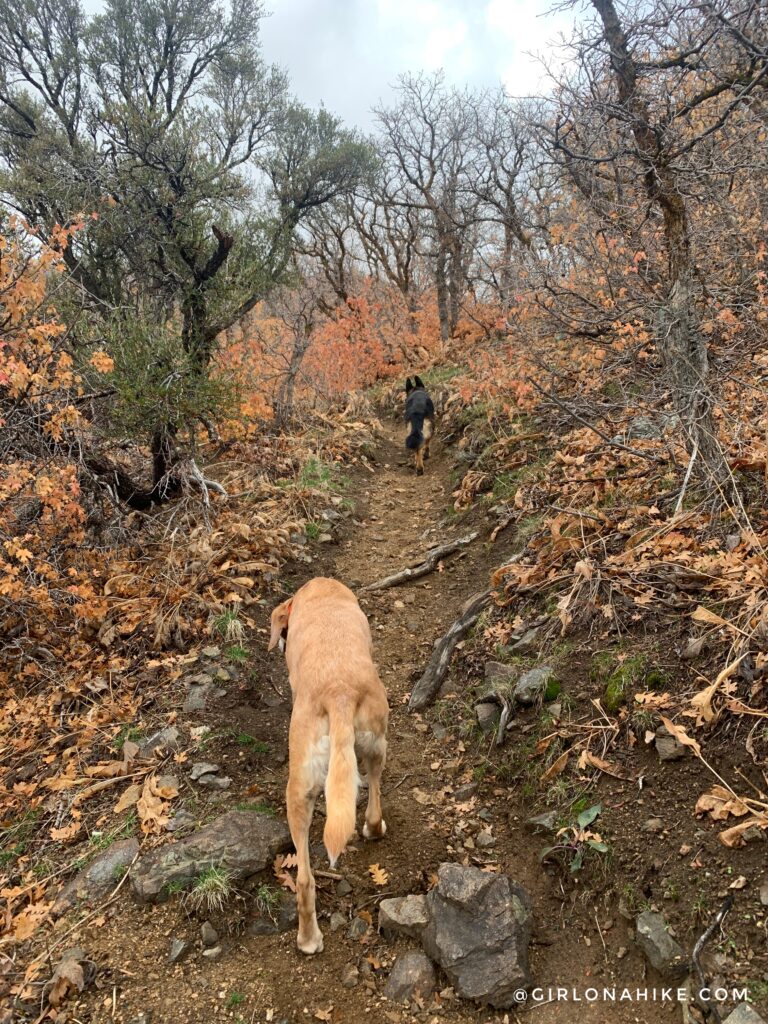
pixel 419 415
pixel 339 714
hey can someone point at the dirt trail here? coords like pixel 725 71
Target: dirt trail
pixel 433 804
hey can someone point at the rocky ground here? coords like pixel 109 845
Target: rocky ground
pixel 406 939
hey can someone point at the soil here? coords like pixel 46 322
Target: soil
pixel 443 784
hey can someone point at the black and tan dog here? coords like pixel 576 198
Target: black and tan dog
pixel 420 417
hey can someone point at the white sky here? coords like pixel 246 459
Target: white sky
pixel 346 54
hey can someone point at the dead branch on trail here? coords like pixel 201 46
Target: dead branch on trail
pixel 425 690
pixel 430 563
pixel 701 943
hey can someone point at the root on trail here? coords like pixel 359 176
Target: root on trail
pixel 425 690
pixel 430 563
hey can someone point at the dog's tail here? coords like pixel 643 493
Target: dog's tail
pixel 415 439
pixel 341 782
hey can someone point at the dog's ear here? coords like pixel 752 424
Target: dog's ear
pixel 279 622
pixel 408 386
pixel 419 382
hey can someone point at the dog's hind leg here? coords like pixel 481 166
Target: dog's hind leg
pixel 373 754
pixel 300 806
pixel 420 461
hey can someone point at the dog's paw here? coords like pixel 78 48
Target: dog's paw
pixel 375 833
pixel 312 945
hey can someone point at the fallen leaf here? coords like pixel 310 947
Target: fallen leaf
pixel 555 768
pixel 681 735
pixel 378 874
pixel 128 799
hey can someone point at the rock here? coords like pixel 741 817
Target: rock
pixel 211 652
pixel 496 672
pixel 202 768
pixel 145 1017
pixel 343 888
pixel 357 928
pixel 744 1014
pixel 439 731
pixel 99 877
pixel 404 915
pixel 537 684
pixel 164 739
pixel 478 932
pixel 325 538
pixel 667 747
pixel 487 716
pixel 197 696
pixel 284 919
pixel 466 792
pixel 643 428
pixel 527 644
pixel 181 819
pixel 213 953
pixel 179 949
pixel 215 781
pixel 764 894
pixel 653 825
pixel 485 839
pixel 412 975
pixel 337 921
pixel 223 675
pixel 209 935
pixel 350 976
pixel 543 823
pixel 664 954
pixel 241 842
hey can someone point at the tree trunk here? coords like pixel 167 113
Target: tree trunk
pixel 441 283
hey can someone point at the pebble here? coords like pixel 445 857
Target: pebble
pixel 338 920
pixel 213 953
pixel 179 949
pixel 350 976
pixel 343 888
pixel 653 825
pixel 209 935
pixel 357 929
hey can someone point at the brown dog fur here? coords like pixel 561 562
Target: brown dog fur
pixel 339 716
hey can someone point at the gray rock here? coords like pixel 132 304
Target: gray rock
pixel 201 768
pixel 643 428
pixel 404 915
pixel 667 747
pixel 284 919
pixel 350 976
pixel 664 954
pixel 478 932
pixel 744 1014
pixel 343 888
pixel 496 672
pixel 485 839
pixel 179 949
pixel 533 684
pixel 211 652
pixel 466 792
pixel 487 716
pixel 197 696
pixel 181 819
pixel 142 1018
pixel 412 975
pixel 215 781
pixel 242 842
pixel 357 928
pixel 209 935
pixel 527 644
pixel 764 894
pixel 337 921
pixel 545 823
pixel 164 739
pixel 213 953
pixel 99 877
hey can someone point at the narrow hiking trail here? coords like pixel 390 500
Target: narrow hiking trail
pixel 436 800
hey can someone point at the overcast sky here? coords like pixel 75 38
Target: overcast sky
pixel 348 53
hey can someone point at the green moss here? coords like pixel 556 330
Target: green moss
pixel 626 677
pixel 553 688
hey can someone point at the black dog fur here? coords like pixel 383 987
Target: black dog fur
pixel 418 408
